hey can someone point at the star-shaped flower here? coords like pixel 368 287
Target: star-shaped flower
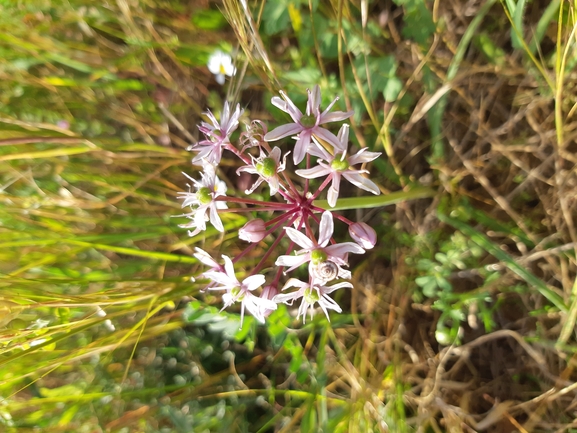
pixel 318 252
pixel 240 292
pixel 340 165
pixel 306 125
pixel 311 293
pixel 203 202
pixel 217 135
pixel 267 167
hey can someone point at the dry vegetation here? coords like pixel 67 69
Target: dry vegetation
pixel 490 127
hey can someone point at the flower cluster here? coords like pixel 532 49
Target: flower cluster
pixel 295 223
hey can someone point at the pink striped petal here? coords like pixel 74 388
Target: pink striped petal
pixel 312 173
pixel 326 228
pixel 299 238
pixel 283 131
pixel 362 182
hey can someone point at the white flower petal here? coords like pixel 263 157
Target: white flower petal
pixel 301 146
pixel 253 282
pixel 333 193
pixel 299 238
pixel 362 182
pixel 314 101
pixel 313 173
pixel 291 262
pixel 220 278
pixel 326 228
pixel 335 116
pixel 205 258
pixel 200 218
pixel 340 250
pixel 343 135
pixel 294 282
pixel 363 156
pixel 229 268
pixel 330 289
pixel 329 137
pixel 291 108
pixel 215 219
pixel 285 298
pixel 283 131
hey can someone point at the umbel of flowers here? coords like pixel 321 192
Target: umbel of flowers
pixel 297 232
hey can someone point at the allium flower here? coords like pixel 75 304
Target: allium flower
pixel 240 292
pixel 318 253
pixel 217 134
pixel 220 64
pixel 339 165
pixel 306 125
pixel 311 294
pixel 267 167
pixel 207 190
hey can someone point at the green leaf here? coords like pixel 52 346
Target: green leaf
pixel 493 53
pixel 209 19
pixel 275 17
pixel 418 20
pixel 392 89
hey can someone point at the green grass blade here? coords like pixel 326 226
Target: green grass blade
pixel 481 240
pixel 438 111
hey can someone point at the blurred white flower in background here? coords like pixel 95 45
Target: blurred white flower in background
pixel 220 64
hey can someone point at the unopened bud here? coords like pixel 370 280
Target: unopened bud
pixel 253 231
pixel 363 234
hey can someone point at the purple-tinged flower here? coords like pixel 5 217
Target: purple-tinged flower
pixel 311 294
pixel 217 135
pixel 339 165
pixel 207 190
pixel 306 125
pixel 253 231
pixel 267 168
pixel 363 234
pixel 240 292
pixel 318 252
pixel 220 64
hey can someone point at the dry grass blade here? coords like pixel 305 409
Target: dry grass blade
pixel 241 20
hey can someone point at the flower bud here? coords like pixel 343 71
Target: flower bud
pixel 363 234
pixel 253 231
